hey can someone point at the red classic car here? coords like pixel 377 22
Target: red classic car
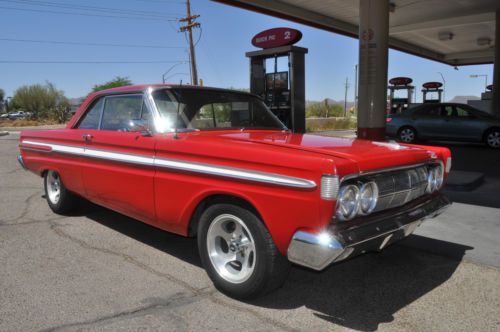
pixel 217 164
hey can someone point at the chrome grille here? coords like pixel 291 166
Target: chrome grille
pixel 399 187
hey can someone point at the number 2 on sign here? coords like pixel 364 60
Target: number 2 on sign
pixel 288 34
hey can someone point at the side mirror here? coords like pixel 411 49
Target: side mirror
pixel 139 126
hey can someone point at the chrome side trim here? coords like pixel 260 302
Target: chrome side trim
pixel 202 168
pixel 236 173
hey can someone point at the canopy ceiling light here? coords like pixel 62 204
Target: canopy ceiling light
pixel 483 41
pixel 445 35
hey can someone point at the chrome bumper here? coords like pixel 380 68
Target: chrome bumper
pixel 317 251
pixel 21 162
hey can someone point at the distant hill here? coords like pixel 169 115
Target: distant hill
pixel 76 101
pixel 462 99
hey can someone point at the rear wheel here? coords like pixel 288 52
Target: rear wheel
pixel 407 135
pixel 238 252
pixel 492 138
pixel 60 200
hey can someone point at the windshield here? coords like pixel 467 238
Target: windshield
pixel 203 109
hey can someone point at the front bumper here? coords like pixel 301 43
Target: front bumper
pixel 21 162
pixel 317 251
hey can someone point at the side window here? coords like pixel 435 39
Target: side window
pixel 119 110
pixel 430 111
pixel 447 110
pixel 91 118
pixel 462 113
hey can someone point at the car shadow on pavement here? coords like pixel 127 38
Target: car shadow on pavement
pixel 360 293
pixel 368 290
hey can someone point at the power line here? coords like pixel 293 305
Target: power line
pixel 86 44
pixel 85 62
pixel 84 14
pixel 173 2
pixel 90 8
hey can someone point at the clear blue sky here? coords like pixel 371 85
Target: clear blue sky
pixel 226 35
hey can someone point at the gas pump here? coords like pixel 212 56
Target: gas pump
pixel 430 88
pixel 399 104
pixel 282 91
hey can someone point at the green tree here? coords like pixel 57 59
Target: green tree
pixel 114 83
pixel 42 101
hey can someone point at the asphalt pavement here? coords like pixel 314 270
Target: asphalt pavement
pixel 98 270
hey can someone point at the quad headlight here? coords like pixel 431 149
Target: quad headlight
pixel 435 178
pixel 356 200
pixel 348 202
pixel 368 197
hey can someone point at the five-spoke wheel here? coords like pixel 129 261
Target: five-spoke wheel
pixel 60 200
pixel 231 248
pixel 238 252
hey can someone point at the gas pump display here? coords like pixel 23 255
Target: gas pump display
pixel 277 92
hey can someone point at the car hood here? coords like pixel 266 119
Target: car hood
pixel 367 154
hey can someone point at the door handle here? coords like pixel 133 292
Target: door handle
pixel 87 137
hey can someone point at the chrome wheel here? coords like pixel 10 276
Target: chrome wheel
pixel 407 135
pixel 53 187
pixel 231 248
pixel 493 139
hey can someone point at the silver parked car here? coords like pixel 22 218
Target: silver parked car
pixel 444 121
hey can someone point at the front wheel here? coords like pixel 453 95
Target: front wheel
pixel 407 135
pixel 60 200
pixel 493 138
pixel 238 252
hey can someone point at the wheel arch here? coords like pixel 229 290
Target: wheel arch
pixel 218 198
pixel 488 130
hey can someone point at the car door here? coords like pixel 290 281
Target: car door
pixel 428 121
pixel 462 124
pixel 119 172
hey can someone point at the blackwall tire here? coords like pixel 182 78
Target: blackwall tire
pixel 238 253
pixel 60 200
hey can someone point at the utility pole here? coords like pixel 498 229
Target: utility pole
pixel 190 24
pixel 356 89
pixel 345 98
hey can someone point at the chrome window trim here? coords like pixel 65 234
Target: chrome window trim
pixel 98 96
pixel 177 164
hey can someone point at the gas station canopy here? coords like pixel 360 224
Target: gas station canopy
pixel 454 32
